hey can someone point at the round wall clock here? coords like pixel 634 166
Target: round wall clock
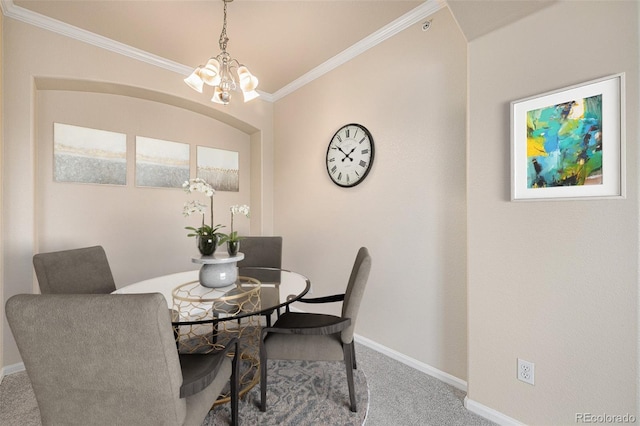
pixel 350 155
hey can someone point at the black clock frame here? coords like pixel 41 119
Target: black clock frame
pixel 373 151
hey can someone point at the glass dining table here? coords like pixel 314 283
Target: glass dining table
pixel 205 318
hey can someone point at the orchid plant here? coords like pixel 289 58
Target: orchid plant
pixel 233 235
pixel 191 207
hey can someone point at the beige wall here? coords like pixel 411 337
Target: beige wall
pixel 130 222
pixel 37 61
pixel 410 92
pixel 556 282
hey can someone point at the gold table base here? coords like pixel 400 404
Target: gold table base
pixel 192 302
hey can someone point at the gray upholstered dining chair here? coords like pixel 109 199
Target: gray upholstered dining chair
pixel 321 337
pixel 134 376
pixel 76 271
pixel 263 252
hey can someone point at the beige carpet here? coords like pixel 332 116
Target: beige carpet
pixel 298 393
pixel 17 403
pixel 301 393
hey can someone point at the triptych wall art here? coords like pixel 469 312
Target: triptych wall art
pixel 569 144
pixel 218 167
pixel 88 155
pixel 161 163
pixel 85 155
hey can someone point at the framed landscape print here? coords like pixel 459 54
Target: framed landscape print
pixel 85 155
pixel 569 143
pixel 161 163
pixel 219 168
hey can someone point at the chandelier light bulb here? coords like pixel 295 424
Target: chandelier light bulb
pixel 249 96
pixel 248 82
pixel 217 92
pixel 195 81
pixel 220 96
pixel 210 72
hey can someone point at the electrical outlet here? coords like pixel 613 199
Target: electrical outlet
pixel 525 371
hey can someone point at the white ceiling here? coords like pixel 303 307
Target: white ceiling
pixel 280 41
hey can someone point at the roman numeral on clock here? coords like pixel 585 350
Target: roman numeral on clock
pixel 362 163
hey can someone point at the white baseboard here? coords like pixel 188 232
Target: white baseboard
pixel 490 413
pixel 474 407
pixel 420 366
pixel 10 369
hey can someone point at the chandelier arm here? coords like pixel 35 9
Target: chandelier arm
pixel 233 63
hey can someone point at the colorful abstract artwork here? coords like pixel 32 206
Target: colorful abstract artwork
pixel 564 144
pixel 569 143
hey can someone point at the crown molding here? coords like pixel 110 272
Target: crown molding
pixel 10 10
pixel 423 11
pixel 419 13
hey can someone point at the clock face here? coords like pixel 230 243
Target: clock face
pixel 350 155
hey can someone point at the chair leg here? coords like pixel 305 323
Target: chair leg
pixel 353 354
pixel 348 360
pixel 263 377
pixel 234 387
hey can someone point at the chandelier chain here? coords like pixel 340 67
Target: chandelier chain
pixel 223 35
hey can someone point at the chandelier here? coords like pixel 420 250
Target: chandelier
pixel 218 72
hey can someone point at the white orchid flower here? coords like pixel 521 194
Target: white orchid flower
pixel 191 207
pixel 198 185
pixel 237 209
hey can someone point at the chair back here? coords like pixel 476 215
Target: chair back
pixel 78 271
pixel 261 251
pixel 99 359
pixel 355 290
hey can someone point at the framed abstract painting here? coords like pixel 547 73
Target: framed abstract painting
pixel 569 143
pixel 86 155
pixel 219 167
pixel 161 163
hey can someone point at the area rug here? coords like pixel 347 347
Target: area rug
pixel 300 393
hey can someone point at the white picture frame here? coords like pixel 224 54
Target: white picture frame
pixel 570 143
